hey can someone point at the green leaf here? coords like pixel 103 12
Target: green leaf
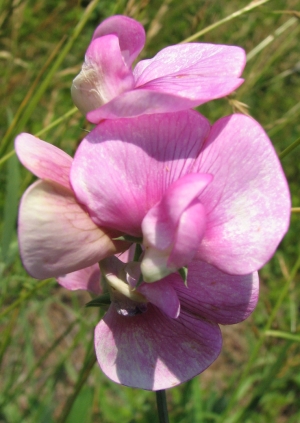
pixel 10 206
pixel 102 300
pixel 183 271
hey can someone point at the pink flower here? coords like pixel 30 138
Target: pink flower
pixel 212 199
pixel 179 77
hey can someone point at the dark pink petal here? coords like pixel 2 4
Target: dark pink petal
pixel 44 160
pixel 163 295
pixel 130 33
pixel 56 236
pixel 248 202
pixel 87 279
pixel 122 168
pixel 104 75
pixel 215 295
pixel 152 351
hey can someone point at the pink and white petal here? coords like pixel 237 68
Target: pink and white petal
pixel 87 279
pixel 215 295
pixel 204 60
pixel 131 35
pixel 152 351
pixel 104 75
pixel 56 236
pixel 140 102
pixel 44 160
pixel 190 232
pixel 122 168
pixel 161 222
pixel 163 295
pixel 157 264
pixel 248 202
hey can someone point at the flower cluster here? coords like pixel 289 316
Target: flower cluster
pixel 156 194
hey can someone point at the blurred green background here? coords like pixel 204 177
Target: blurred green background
pixel 46 351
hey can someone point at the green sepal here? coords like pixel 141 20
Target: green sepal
pixel 101 301
pixel 129 238
pixel 183 271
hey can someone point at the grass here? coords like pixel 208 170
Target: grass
pixel 48 371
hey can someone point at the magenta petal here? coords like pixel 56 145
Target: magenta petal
pixel 122 168
pixel 87 279
pixel 43 159
pixel 163 295
pixel 248 202
pixel 56 235
pixel 215 295
pixel 104 75
pixel 130 33
pixel 152 351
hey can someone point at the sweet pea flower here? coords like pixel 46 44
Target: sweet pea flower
pixel 179 77
pixel 212 199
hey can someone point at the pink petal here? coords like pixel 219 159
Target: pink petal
pixel 174 227
pixel 162 220
pixel 248 202
pixel 152 351
pixel 43 159
pixel 56 235
pixel 122 168
pixel 214 295
pixel 130 33
pixel 195 59
pixel 104 75
pixel 163 295
pixel 139 102
pixel 87 279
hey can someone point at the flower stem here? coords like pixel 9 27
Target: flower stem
pixel 162 409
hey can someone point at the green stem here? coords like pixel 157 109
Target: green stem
pixel 250 6
pixel 82 378
pixel 161 401
pixel 289 149
pixel 24 296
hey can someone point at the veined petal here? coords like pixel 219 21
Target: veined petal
pixel 44 160
pixel 215 295
pixel 152 351
pixel 56 235
pixel 248 202
pixel 199 72
pixel 123 168
pixel 130 33
pixel 104 75
pixel 87 279
pixel 207 60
